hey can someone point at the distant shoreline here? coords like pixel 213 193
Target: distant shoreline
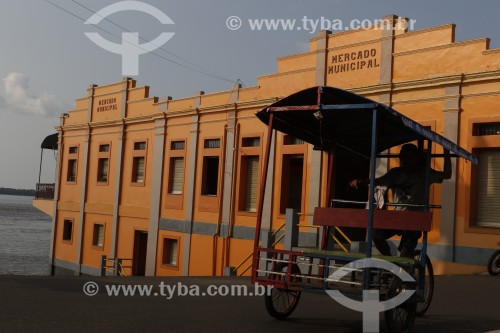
pixel 14 191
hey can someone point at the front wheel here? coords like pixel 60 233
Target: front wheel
pixel 280 303
pixel 401 318
pixel 423 304
pixel 494 263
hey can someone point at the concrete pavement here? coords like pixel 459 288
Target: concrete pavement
pixel 58 304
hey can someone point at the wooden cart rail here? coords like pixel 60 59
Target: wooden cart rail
pixel 383 219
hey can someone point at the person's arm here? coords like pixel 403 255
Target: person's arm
pixel 381 181
pixel 355 183
pixel 447 165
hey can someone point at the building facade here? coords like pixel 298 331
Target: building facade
pixel 170 185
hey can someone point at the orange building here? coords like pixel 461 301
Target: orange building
pixel 170 185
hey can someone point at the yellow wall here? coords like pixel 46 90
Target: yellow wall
pixel 91 255
pixel 66 250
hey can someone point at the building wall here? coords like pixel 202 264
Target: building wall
pixel 425 74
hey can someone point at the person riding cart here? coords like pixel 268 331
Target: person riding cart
pixel 408 188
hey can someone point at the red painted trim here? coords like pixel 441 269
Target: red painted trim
pixel 383 219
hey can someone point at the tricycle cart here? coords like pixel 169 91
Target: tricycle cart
pixel 354 131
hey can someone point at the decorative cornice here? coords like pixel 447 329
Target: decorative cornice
pixel 297 55
pixel 420 100
pixel 266 76
pixel 376 89
pixel 422 31
pixel 79 110
pixel 428 82
pixel 490 51
pixel 482 94
pixel 482 76
pixel 107 94
pixel 440 47
pixel 135 101
pixel 368 42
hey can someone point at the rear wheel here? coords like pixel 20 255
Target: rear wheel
pixel 401 318
pixel 428 292
pixel 494 263
pixel 280 303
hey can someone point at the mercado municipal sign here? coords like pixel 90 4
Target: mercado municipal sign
pixel 353 61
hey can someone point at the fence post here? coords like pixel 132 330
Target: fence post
pixel 118 265
pixel 291 229
pixel 103 265
pixel 267 241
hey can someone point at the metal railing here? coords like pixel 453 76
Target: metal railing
pixel 251 253
pixel 318 230
pixel 45 191
pixel 337 241
pixel 114 265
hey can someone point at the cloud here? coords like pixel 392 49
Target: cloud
pixel 19 97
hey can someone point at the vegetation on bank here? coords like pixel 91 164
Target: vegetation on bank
pixel 14 191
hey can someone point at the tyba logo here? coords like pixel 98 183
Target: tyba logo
pixel 371 305
pixel 129 49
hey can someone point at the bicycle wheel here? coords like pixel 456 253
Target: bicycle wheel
pixel 282 302
pixel 494 263
pixel 423 305
pixel 401 318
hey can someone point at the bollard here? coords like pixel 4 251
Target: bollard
pixel 291 229
pixel 103 265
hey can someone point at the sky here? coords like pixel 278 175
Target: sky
pixel 47 61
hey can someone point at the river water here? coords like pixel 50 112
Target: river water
pixel 24 237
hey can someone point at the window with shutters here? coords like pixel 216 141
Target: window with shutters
pixel 482 201
pixel 103 164
pixel 210 176
pixel 139 163
pixel 170 255
pixel 98 236
pixel 209 171
pixel 210 182
pixel 250 142
pixel 249 174
pixel 177 145
pixel 175 173
pixel 483 129
pixel 292 182
pixel 212 143
pixel 488 188
pixel 67 231
pixel 250 183
pixel 138 172
pixel 71 175
pixel 290 140
pixel 293 174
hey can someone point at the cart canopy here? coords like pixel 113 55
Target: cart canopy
pixel 327 117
